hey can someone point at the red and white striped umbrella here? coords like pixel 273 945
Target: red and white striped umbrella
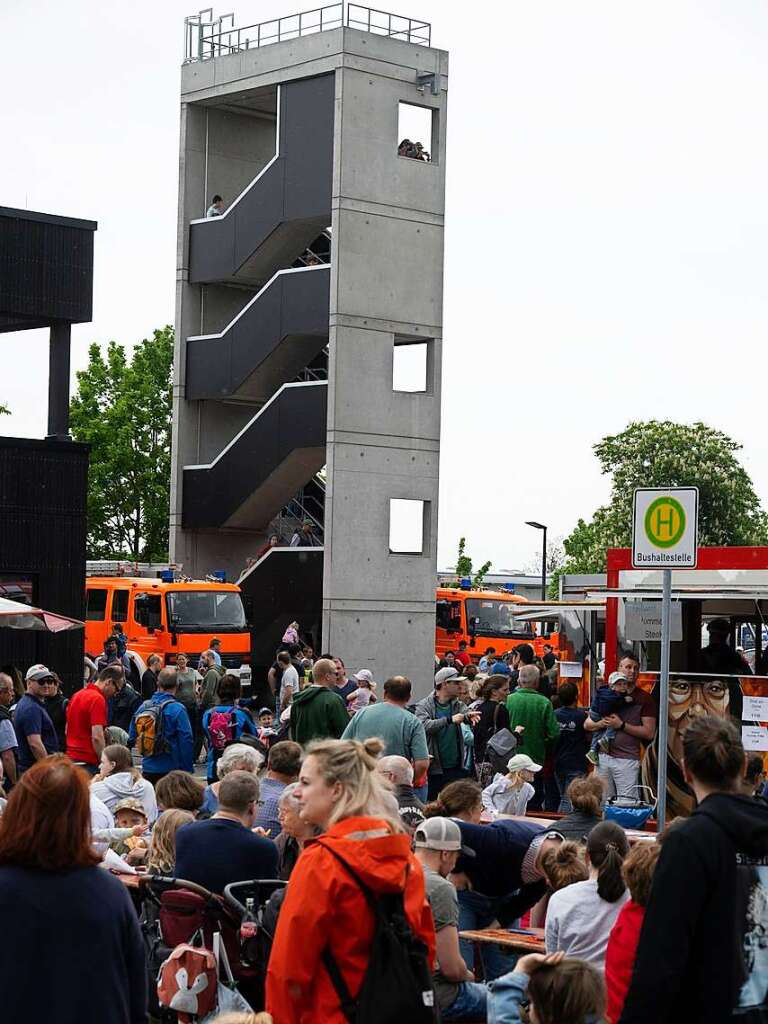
pixel 15 615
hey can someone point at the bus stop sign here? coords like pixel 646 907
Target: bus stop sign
pixel 665 527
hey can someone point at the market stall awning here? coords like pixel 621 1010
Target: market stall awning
pixel 546 611
pixel 15 615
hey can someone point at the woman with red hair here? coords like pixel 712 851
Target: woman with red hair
pixel 57 905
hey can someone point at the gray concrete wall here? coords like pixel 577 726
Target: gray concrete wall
pixel 238 147
pixel 379 607
pixel 386 282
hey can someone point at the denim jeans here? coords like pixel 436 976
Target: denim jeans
pixel 470 1003
pixel 564 779
pixel 475 912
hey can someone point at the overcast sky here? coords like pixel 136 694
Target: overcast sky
pixel 607 224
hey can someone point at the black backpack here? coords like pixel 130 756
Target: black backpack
pixel 397 986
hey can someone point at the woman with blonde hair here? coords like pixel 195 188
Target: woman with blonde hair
pixel 161 858
pixel 118 779
pixel 325 909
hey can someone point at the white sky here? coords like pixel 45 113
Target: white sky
pixel 607 218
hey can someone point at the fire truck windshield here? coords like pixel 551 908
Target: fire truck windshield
pixel 493 617
pixel 206 610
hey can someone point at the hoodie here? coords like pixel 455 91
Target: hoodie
pixel 317 713
pixel 122 785
pixel 703 951
pixel 324 906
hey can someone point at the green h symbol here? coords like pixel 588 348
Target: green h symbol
pixel 665 520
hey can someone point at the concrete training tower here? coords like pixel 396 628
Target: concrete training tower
pixel 309 323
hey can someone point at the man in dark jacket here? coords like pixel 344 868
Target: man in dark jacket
pixel 500 882
pixel 316 711
pixel 123 704
pixel 703 951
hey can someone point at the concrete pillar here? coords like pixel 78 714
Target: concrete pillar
pixel 386 289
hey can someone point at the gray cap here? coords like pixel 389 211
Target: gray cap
pixel 444 674
pixel 440 834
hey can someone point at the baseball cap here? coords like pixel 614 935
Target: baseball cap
pixel 265 711
pixel 440 834
pixel 37 672
pixel 616 677
pixel 364 673
pixel 521 762
pixel 131 804
pixel 444 674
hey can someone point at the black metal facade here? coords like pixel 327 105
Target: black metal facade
pixel 46 269
pixel 43 487
pixel 287 585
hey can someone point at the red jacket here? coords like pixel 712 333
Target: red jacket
pixel 620 957
pixel 324 906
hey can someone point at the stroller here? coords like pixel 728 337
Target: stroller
pixel 175 911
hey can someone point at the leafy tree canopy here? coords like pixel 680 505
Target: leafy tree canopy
pixel 122 409
pixel 464 565
pixel 660 453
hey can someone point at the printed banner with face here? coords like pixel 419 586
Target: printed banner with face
pixel 692 695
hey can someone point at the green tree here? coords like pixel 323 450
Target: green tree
pixel 4 410
pixel 123 410
pixel 464 565
pixel 659 453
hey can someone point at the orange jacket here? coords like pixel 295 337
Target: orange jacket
pixel 324 906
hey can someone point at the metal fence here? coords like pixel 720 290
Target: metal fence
pixel 206 37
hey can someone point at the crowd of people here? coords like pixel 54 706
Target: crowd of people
pixel 390 821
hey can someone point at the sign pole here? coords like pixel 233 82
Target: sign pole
pixel 666 617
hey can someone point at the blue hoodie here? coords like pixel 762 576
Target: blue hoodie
pixel 177 732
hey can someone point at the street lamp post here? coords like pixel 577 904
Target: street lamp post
pixel 542 527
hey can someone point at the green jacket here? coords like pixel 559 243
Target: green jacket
pixel 316 714
pixel 534 711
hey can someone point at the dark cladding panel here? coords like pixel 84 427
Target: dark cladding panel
pixel 289 205
pixel 43 488
pixel 286 585
pixel 295 419
pixel 46 269
pixel 306 130
pixel 294 305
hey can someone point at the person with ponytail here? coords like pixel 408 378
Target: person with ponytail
pixel 341 793
pixel 462 799
pixel 580 916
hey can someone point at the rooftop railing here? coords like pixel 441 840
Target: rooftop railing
pixel 206 37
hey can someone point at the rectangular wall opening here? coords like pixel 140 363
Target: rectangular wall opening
pixel 408 526
pixel 412 365
pixel 417 132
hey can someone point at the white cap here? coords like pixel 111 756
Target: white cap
pixel 521 762
pixel 37 672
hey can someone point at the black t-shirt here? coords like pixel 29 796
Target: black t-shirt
pixel 219 851
pixel 573 743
